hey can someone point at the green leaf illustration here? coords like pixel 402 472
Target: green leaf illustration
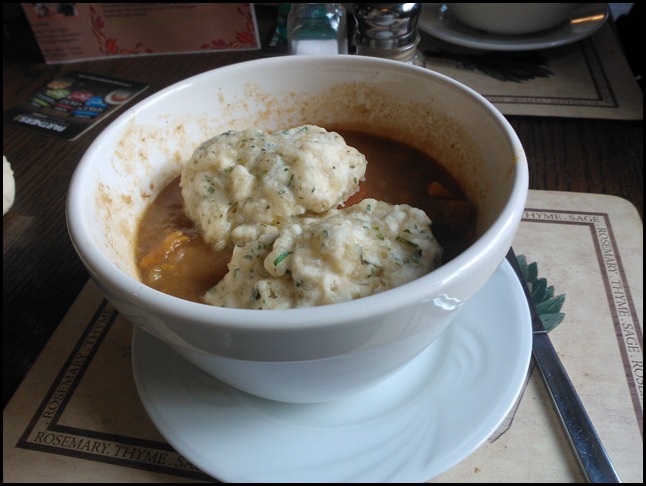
pixel 547 304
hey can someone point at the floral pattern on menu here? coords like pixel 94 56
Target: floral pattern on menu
pixel 110 46
pixel 100 30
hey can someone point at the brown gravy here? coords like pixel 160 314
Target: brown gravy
pixel 173 258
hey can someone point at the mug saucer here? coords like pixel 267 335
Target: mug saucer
pixel 584 21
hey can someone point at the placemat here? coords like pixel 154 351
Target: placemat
pixel 77 416
pixel 587 79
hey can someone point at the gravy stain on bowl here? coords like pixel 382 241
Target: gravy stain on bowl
pixel 358 106
pixel 155 152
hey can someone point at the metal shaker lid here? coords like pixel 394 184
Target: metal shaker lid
pixel 386 25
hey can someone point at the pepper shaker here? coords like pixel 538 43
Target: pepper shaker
pixel 388 30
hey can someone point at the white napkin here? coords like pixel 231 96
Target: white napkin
pixel 8 186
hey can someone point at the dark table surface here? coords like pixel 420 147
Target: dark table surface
pixel 42 275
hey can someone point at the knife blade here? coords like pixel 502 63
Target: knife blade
pixel 590 452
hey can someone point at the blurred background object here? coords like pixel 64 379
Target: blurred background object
pixel 18 40
pixel 628 21
pixel 511 18
pixel 8 186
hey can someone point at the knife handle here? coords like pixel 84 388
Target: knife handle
pixel 590 452
pixel 592 456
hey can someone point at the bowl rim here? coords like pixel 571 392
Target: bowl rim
pixel 326 316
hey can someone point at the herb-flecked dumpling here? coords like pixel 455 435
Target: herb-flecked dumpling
pixel 343 255
pixel 240 185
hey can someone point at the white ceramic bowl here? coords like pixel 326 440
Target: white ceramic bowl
pixel 313 354
pixel 511 18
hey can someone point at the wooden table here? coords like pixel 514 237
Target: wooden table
pixel 42 274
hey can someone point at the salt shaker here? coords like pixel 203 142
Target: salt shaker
pixel 317 28
pixel 388 30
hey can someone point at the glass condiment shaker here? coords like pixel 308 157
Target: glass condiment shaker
pixel 388 30
pixel 317 28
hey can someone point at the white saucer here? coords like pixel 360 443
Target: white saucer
pixel 415 425
pixel 443 26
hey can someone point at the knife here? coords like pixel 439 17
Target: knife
pixel 592 456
